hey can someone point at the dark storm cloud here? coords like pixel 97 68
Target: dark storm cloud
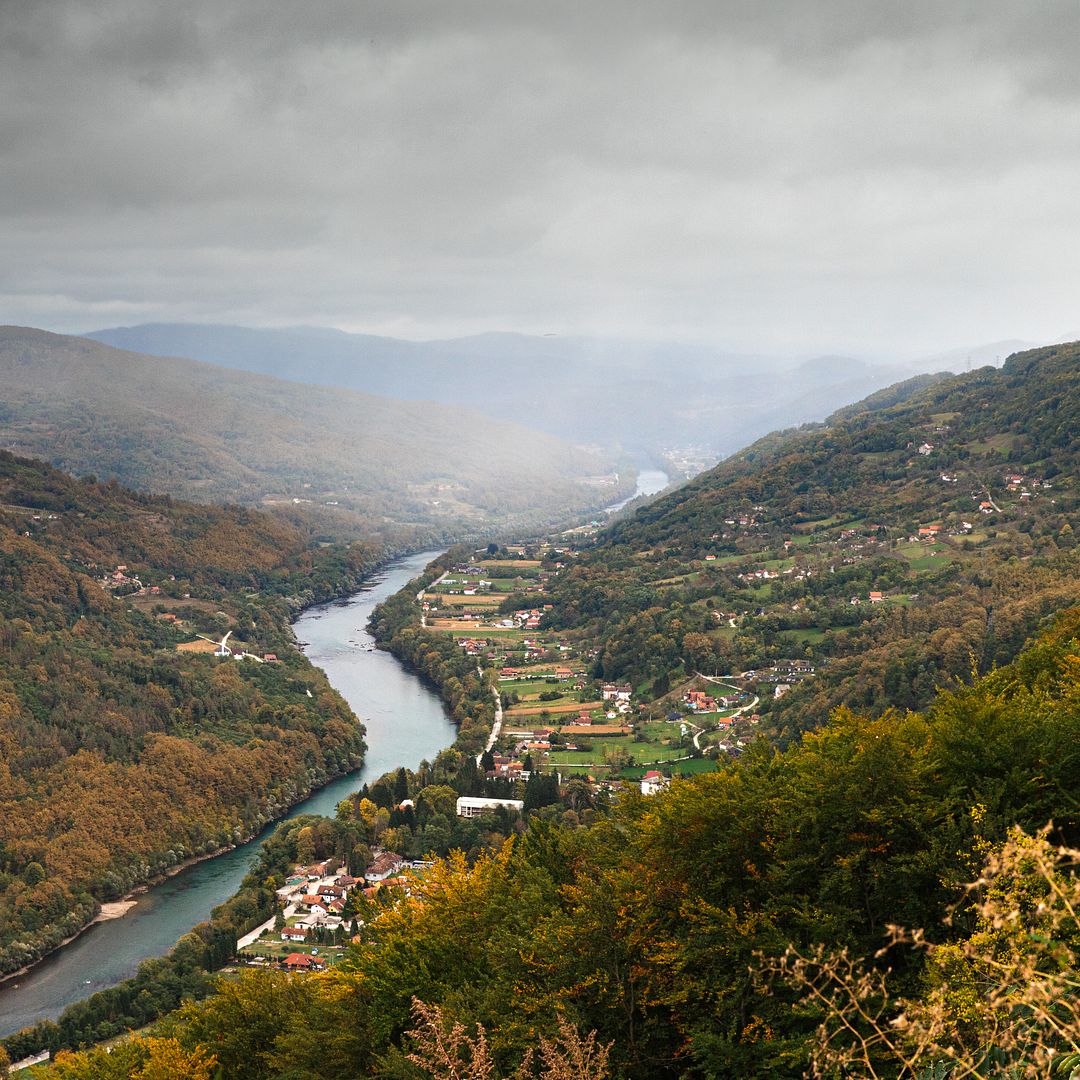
pixel 780 176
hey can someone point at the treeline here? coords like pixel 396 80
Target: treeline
pixel 657 925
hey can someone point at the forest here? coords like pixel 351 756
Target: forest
pixel 120 755
pixel 665 928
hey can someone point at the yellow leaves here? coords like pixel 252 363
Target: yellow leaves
pixel 168 1060
pixel 135 1059
pixel 757 1030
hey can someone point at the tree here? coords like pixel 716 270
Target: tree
pixel 401 786
pixel 305 845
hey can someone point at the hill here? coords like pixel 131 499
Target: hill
pixel 924 531
pixel 355 462
pixel 122 754
pixel 649 397
pixel 662 923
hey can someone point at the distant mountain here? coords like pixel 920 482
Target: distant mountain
pixel 199 431
pixel 640 396
pixel 928 528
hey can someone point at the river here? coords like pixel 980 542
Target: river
pixel 405 724
pixel 649 482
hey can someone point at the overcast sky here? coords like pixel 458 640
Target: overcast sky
pixel 874 177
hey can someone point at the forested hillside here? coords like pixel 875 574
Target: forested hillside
pixel 662 925
pixel 357 464
pixel 121 752
pixel 873 558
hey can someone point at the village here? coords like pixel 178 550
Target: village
pixel 556 717
pixel 321 910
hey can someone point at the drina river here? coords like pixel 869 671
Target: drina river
pixel 405 723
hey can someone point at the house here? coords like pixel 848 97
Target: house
pixel 315 903
pixel 332 892
pixel 986 507
pixel 385 864
pixel 926 449
pixel 876 597
pixel 652 783
pixel 293 933
pixel 469 807
pixel 301 962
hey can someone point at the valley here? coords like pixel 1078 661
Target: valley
pixel 797 679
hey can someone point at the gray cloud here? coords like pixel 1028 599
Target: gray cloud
pixel 783 176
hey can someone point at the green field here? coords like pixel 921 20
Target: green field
pixel 647 747
pixel 810 636
pixel 272 948
pixel 687 767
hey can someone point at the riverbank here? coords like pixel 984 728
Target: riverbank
pixel 405 725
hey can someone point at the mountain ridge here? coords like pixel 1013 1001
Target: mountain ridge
pixel 207 432
pixel 639 395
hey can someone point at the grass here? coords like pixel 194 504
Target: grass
pixel 687 767
pixel 273 949
pixel 452 600
pixel 642 753
pixel 539 685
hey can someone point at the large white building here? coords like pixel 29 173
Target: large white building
pixel 468 806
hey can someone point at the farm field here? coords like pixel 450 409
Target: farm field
pixel 551 707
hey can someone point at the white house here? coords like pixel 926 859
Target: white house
pixel 652 783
